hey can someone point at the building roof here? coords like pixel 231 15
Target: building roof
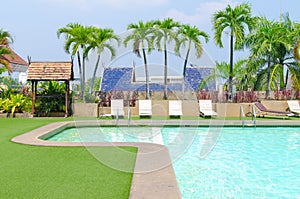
pixel 58 71
pixel 14 58
pixel 122 79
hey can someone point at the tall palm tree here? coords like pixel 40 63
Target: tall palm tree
pixel 190 35
pixel 100 41
pixel 5 40
pixel 165 33
pixel 141 35
pixel 77 38
pixel 236 20
pixel 264 41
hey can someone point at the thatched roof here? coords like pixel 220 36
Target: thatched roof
pixel 58 71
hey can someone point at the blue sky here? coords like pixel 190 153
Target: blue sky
pixel 33 23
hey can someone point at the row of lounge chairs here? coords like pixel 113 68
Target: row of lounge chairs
pixel 205 108
pixel 175 108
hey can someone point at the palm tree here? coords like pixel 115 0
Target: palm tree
pixel 191 35
pixel 100 41
pixel 5 40
pixel 264 41
pixel 165 33
pixel 77 38
pixel 141 36
pixel 236 20
pixel 245 71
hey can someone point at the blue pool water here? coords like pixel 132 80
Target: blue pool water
pixel 244 163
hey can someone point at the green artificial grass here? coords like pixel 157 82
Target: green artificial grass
pixel 57 172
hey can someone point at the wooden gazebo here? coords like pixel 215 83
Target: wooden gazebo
pixel 50 71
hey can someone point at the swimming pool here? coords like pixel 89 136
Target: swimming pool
pixel 260 162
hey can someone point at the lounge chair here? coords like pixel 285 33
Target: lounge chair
pixel 145 108
pixel 117 108
pixel 175 108
pixel 294 107
pixel 205 107
pixel 263 111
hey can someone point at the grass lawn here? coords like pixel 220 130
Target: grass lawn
pixel 56 172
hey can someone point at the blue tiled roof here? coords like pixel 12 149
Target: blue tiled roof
pixel 120 78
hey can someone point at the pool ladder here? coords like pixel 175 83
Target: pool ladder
pixel 242 117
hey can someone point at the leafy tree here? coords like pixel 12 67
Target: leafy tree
pixel 264 41
pixel 245 74
pixel 5 40
pixel 100 41
pixel 236 20
pixel 142 35
pixel 165 33
pixel 190 35
pixel 77 38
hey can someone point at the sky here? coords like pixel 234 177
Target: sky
pixel 34 23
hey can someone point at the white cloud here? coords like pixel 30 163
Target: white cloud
pixel 203 12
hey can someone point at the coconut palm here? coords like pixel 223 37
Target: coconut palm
pixel 100 41
pixel 165 33
pixel 77 38
pixel 236 20
pixel 5 40
pixel 263 43
pixel 190 35
pixel 141 35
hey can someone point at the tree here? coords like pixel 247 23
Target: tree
pixel 165 33
pixel 77 38
pixel 100 41
pixel 245 71
pixel 141 35
pixel 5 40
pixel 236 20
pixel 191 35
pixel 264 41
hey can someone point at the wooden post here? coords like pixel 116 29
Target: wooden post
pixel 33 96
pixel 67 98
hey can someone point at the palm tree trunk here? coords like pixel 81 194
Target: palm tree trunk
pixel 83 78
pixel 184 66
pixel 165 71
pixel 231 67
pixel 282 84
pixel 269 77
pixel 94 75
pixel 147 74
pixel 286 78
pixel 80 72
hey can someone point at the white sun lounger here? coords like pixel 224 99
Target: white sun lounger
pixel 145 108
pixel 205 108
pixel 117 107
pixel 294 107
pixel 175 108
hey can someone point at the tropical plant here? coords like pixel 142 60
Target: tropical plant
pixel 244 79
pixel 49 91
pixel 165 32
pixel 235 19
pixel 190 35
pixel 264 41
pixel 5 40
pixel 141 35
pixel 15 103
pixel 101 39
pixel 77 39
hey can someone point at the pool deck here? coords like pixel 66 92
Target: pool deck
pixel 154 176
